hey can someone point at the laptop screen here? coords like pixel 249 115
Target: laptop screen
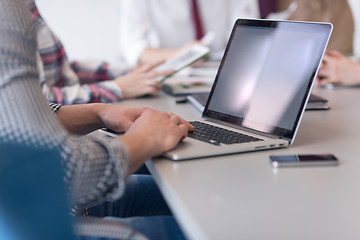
pixel 266 74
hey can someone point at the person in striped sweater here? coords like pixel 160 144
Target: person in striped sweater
pixel 66 82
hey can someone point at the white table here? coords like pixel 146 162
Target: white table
pixel 242 197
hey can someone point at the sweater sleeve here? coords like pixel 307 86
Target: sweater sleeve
pixel 94 167
pixel 92 71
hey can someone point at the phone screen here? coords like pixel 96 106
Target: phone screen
pixel 303 160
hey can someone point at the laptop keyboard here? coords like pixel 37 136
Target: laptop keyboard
pixel 216 135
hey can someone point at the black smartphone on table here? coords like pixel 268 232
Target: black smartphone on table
pixel 303 160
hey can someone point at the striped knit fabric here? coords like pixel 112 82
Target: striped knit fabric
pixel 66 83
pixel 95 167
pixel 54 107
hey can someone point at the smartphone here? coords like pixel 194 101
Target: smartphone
pixel 183 59
pixel 303 160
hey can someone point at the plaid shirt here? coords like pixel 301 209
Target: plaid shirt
pixel 70 83
pixel 95 167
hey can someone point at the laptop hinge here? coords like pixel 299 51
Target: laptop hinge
pixel 243 128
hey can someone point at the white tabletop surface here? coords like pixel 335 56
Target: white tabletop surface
pixel 241 197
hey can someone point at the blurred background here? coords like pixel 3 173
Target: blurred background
pixel 90 28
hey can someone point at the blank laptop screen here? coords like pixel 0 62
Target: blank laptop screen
pixel 266 73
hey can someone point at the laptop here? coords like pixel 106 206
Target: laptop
pixel 261 89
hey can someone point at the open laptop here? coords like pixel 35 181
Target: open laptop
pixel 261 88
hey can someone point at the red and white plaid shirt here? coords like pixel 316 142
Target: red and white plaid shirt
pixel 71 83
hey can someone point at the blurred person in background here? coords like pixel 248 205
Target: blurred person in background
pixel 154 30
pixel 158 29
pixel 87 82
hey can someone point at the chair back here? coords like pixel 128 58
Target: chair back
pixel 33 201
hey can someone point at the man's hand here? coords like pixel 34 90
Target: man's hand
pixel 152 134
pixel 148 132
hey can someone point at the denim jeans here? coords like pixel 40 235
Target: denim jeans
pixel 143 208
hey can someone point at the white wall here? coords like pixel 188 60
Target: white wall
pixel 87 28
